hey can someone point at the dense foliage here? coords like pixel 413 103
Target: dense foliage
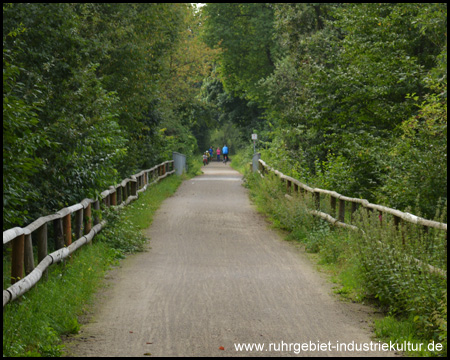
pixel 382 264
pixel 356 102
pixel 346 97
pixel 350 97
pixel 92 93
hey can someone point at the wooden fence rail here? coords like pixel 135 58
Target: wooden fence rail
pixel 338 202
pixel 84 227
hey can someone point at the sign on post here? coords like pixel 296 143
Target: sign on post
pixel 254 138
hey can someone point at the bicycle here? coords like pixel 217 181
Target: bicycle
pixel 225 158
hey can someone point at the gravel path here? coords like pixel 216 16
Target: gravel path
pixel 216 276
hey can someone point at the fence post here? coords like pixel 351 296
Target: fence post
pixel 78 224
pixel 113 198
pixel 96 213
pixel 397 223
pixel 125 192
pixel 58 233
pixel 255 161
pixel 341 217
pixel 316 196
pixel 333 205
pixel 17 258
pixel 67 229
pixel 119 194
pixel 288 186
pixel 28 253
pixel 87 219
pixel 133 188
pixel 41 238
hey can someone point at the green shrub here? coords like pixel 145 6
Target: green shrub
pixel 385 263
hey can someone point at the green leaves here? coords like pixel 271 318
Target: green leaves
pixel 86 89
pixel 244 32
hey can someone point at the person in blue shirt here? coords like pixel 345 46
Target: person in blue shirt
pixel 225 154
pixel 211 152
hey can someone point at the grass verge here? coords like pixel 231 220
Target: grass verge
pixel 33 325
pixel 376 268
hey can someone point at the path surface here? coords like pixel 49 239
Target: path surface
pixel 217 276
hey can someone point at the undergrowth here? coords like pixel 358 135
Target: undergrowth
pixel 385 266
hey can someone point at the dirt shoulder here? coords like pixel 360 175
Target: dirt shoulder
pixel 215 277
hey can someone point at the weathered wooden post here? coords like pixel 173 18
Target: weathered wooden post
pixel 333 205
pixel 67 229
pixel 58 233
pixel 316 196
pixel 113 198
pixel 106 200
pixel 133 187
pixel 124 193
pixel 96 212
pixel 28 254
pixel 78 224
pixel 396 221
pixel 41 239
pixel 87 217
pixel 17 258
pixel 119 195
pixel 288 186
pixel 397 224
pixel 341 217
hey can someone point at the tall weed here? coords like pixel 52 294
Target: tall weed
pixel 395 265
pixel 385 263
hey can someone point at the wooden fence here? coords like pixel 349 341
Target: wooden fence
pixel 86 224
pixel 338 206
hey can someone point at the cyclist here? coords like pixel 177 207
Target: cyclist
pixel 225 154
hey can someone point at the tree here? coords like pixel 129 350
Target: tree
pixel 88 91
pixel 244 32
pixel 21 138
pixel 345 80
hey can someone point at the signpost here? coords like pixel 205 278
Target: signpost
pixel 254 138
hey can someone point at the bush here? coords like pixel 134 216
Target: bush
pixel 395 265
pixel 383 264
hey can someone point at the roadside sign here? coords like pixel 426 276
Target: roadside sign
pixel 254 137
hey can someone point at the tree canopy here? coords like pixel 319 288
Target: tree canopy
pixel 345 86
pixel 351 97
pixel 93 93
